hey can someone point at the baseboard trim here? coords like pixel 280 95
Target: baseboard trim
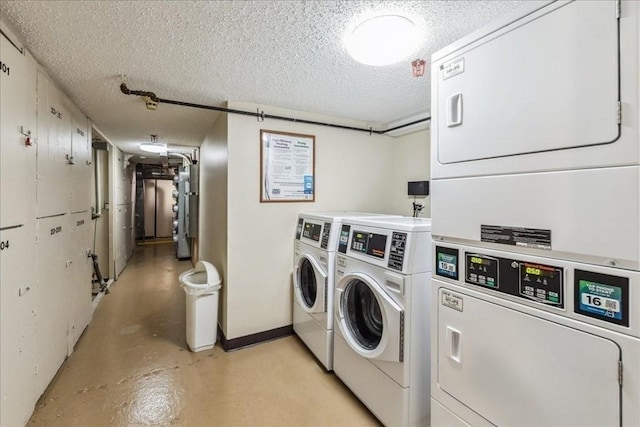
pixel 249 340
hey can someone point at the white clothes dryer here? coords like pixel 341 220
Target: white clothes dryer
pixel 314 250
pixel 382 306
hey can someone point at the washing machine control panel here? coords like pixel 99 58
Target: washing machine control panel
pixel 396 253
pixel 372 244
pixel 311 231
pixel 528 280
pixel 326 231
pixel 533 281
pixel 299 228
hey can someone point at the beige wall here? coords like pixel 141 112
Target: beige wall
pixel 212 232
pixel 353 171
pixel 411 163
pixel 251 242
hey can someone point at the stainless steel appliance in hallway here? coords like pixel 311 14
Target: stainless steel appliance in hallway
pixel 132 367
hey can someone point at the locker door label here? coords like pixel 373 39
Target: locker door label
pixel 5 69
pixel 56 113
pixel 4 245
pixel 453 68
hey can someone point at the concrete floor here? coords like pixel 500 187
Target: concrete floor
pixel 132 367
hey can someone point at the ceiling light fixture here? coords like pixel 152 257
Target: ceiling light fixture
pixel 383 40
pixel 154 146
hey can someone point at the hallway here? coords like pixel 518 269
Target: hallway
pixel 132 368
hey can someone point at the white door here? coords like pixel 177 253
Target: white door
pixel 80 275
pixel 369 320
pixel 549 82
pixel 18 338
pixel 53 261
pixel 54 149
pixel 514 369
pixel 81 168
pixel 17 114
pixel 310 285
pixel 149 186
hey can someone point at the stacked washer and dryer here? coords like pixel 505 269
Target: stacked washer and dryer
pixel 536 231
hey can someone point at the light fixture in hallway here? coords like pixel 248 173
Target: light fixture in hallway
pixel 154 146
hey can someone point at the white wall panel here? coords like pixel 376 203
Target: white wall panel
pixel 411 164
pixel 18 77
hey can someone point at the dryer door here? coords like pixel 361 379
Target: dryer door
pixel 515 369
pixel 310 285
pixel 370 321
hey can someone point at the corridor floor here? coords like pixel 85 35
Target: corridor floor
pixel 132 367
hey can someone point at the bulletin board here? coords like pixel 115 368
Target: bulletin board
pixel 287 167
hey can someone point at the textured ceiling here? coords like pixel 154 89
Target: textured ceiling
pixel 282 53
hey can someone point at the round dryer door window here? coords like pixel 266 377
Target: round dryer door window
pixel 308 287
pixel 362 314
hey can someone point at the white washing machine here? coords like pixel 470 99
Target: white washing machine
pixel 314 252
pixel 382 309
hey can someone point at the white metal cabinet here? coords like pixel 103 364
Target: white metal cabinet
pixel 17 117
pixel 80 272
pixel 54 149
pixel 81 168
pixel 18 338
pixel 52 259
pixel 516 369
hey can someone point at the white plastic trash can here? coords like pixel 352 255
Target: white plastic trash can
pixel 201 285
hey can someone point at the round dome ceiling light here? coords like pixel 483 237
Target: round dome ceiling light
pixel 383 40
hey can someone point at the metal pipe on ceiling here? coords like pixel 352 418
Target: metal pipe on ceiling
pixel 260 114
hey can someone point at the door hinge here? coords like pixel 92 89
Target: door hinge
pixel 618 9
pixel 619 113
pixel 620 372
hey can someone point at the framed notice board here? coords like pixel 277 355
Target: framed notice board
pixel 287 167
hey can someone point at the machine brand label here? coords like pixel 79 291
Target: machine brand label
pixel 342 261
pixel 452 68
pixel 533 238
pixel 452 300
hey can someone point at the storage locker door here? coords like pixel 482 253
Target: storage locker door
pixel 81 168
pixel 54 148
pixel 514 369
pixel 18 108
pixel 53 256
pixel 547 82
pixel 80 274
pixel 17 340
